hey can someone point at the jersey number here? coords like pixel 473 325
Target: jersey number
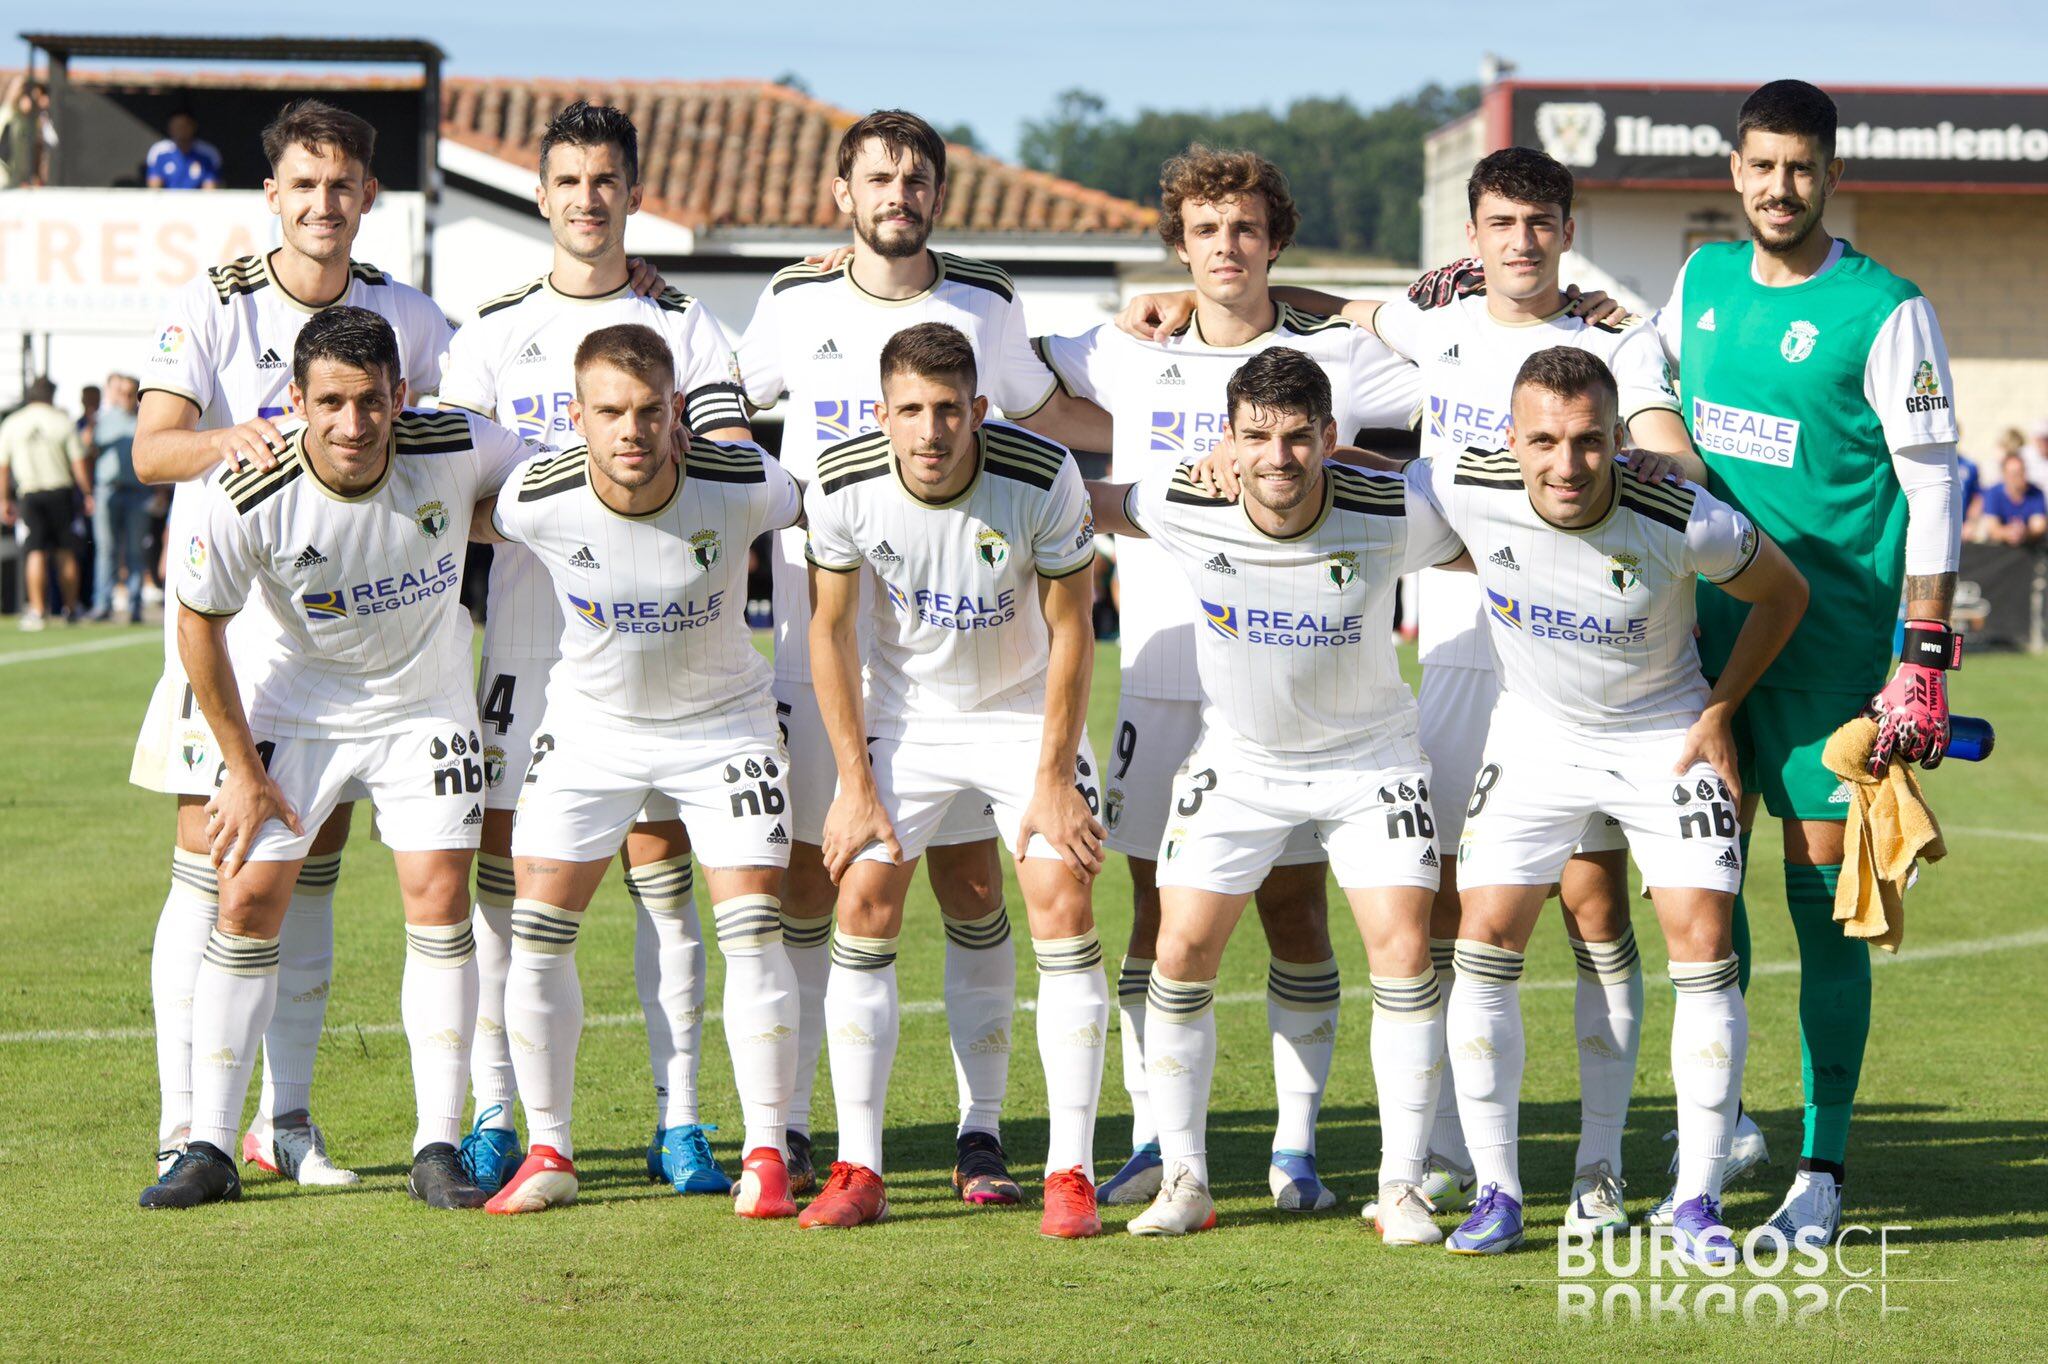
pixel 1204 782
pixel 1126 747
pixel 543 744
pixel 1489 776
pixel 498 702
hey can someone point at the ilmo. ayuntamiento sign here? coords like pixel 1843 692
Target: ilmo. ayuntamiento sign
pixel 1677 135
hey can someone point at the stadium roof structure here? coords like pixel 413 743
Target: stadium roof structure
pixel 734 158
pixel 280 48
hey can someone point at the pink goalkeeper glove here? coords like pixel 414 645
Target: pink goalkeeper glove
pixel 1448 283
pixel 1912 710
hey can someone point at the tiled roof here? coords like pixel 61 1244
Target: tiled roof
pixel 746 154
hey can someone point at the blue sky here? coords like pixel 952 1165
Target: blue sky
pixel 968 63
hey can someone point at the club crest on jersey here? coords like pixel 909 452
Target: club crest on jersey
pixel 1222 619
pixel 494 767
pixel 992 548
pixel 431 518
pixel 1624 570
pixel 1506 610
pixel 1113 807
pixel 1341 568
pixel 704 548
pixel 194 751
pixel 1797 342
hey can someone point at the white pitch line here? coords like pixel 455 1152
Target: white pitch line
pixel 2023 835
pixel 339 1033
pixel 91 646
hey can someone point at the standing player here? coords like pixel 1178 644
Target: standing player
pixel 213 392
pixel 816 337
pixel 514 365
pixel 1305 723
pixel 1817 387
pixel 1228 216
pixel 659 690
pixel 1588 577
pixel 355 542
pixel 983 644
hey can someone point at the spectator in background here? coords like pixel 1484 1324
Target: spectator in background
pixel 22 134
pixel 181 160
pixel 2015 510
pixel 88 412
pixel 121 501
pixel 2036 457
pixel 1970 499
pixel 42 474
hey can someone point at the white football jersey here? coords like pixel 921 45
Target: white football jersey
pixel 960 645
pixel 1594 626
pixel 366 587
pixel 656 631
pixel 228 348
pixel 1295 651
pixel 516 364
pixel 1468 361
pixel 1166 399
pixel 816 338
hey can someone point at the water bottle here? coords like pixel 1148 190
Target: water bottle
pixel 1970 738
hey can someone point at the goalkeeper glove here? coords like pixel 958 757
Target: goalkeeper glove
pixel 1449 283
pixel 1912 710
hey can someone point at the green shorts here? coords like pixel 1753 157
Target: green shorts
pixel 1779 736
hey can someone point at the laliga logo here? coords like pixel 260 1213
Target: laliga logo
pixel 1571 132
pixel 1787 1283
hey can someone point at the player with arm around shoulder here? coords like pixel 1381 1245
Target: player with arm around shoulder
pixel 1604 714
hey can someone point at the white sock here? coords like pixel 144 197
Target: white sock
pixel 490 1054
pixel 1447 1135
pixel 182 930
pixel 544 1018
pixel 1302 1000
pixel 1607 1015
pixel 437 1002
pixel 1709 1040
pixel 1073 1024
pixel 1132 980
pixel 668 974
pixel 860 1028
pixel 981 995
pixel 1483 1029
pixel 231 1003
pixel 1407 1070
pixel 760 1014
pixel 808 943
pixel 305 970
pixel 1180 1058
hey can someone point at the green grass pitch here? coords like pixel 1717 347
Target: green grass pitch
pixel 1949 1142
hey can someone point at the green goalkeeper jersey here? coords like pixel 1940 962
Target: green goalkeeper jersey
pixel 1797 397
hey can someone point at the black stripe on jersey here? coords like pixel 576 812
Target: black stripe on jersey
pixel 243 275
pixel 1643 502
pixel 1029 460
pixel 1488 469
pixel 432 433
pixel 717 462
pixel 674 300
pixel 556 474
pixel 1356 490
pixel 790 276
pixel 519 295
pixel 1038 348
pixel 713 407
pixel 1619 323
pixel 367 273
pixel 980 274
pixel 1185 490
pixel 251 487
pixel 1303 323
pixel 854 461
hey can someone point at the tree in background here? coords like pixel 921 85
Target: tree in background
pixel 1357 176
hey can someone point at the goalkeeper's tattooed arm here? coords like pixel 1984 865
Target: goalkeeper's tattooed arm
pixel 1930 596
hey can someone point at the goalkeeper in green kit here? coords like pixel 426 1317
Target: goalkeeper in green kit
pixel 1816 387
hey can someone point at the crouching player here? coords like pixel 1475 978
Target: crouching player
pixel 977 688
pixel 659 692
pixel 1305 721
pixel 1588 579
pixel 355 542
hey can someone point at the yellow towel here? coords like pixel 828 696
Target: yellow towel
pixel 1890 825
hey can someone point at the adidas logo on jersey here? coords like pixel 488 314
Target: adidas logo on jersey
pixel 1840 795
pixel 1706 322
pixel 1729 860
pixel 1429 858
pixel 1505 558
pixel 1170 377
pixel 1220 564
pixel 1450 356
pixel 531 355
pixel 474 817
pixel 778 834
pixel 270 359
pixel 309 557
pixel 883 554
pixel 583 558
pixel 829 351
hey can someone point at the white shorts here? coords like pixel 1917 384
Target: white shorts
pixel 586 785
pixel 919 784
pixel 1541 790
pixel 1229 827
pixel 810 752
pixel 511 696
pixel 175 752
pixel 425 780
pixel 1455 705
pixel 1153 740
